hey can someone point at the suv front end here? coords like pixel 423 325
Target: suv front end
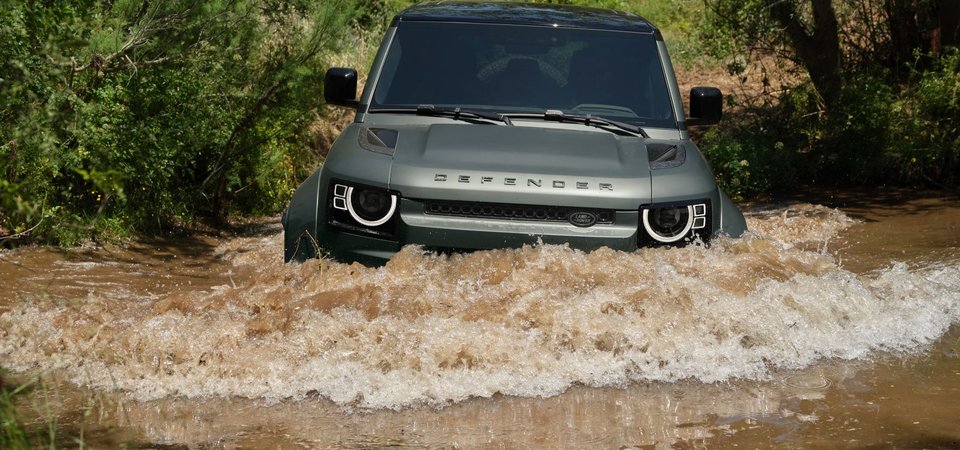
pixel 479 130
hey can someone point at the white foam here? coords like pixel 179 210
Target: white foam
pixel 434 330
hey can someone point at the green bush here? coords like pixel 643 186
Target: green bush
pixel 925 128
pixel 858 133
pixel 879 132
pixel 134 115
pixel 766 148
pixel 735 162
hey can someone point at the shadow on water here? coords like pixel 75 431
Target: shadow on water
pixel 875 204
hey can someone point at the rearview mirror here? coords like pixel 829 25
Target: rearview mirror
pixel 340 87
pixel 706 106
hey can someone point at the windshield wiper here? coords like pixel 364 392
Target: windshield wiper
pixel 453 113
pixel 460 113
pixel 589 120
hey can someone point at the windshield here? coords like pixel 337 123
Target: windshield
pixel 510 68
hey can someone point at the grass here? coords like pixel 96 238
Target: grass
pixel 14 433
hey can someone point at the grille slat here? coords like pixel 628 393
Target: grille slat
pixel 503 211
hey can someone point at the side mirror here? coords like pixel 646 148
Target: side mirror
pixel 340 87
pixel 706 106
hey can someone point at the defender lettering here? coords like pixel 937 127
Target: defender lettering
pixel 531 182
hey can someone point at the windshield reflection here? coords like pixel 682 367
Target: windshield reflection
pixel 510 68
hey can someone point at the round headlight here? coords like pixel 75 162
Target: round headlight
pixel 668 224
pixel 370 207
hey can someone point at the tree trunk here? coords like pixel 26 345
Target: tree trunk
pixel 948 23
pixel 819 51
pixel 221 170
pixel 905 35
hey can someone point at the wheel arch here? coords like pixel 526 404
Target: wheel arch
pixel 300 221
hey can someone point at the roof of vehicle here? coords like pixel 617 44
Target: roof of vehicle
pixel 526 14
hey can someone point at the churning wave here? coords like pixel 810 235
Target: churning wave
pixel 430 329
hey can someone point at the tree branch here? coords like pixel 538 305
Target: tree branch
pixel 820 50
pixel 22 234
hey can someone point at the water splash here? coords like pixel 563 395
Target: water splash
pixel 433 329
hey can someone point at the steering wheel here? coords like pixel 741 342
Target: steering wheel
pixel 497 67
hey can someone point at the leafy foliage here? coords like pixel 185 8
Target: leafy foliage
pixel 135 115
pixel 145 113
pixel 872 97
pixel 925 125
pixel 878 133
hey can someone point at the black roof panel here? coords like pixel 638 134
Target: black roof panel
pixel 526 14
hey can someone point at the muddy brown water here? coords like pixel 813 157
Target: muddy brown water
pixel 824 328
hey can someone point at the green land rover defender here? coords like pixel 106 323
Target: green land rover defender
pixel 494 125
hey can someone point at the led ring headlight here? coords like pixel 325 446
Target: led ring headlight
pixel 671 224
pixel 373 209
pixel 669 232
pixel 368 207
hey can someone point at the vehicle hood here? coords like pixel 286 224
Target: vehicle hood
pixel 521 164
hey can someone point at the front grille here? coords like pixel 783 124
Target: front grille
pixel 504 211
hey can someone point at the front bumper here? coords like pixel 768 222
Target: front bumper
pixel 442 233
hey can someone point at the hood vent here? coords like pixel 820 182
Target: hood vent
pixel 663 156
pixel 379 140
